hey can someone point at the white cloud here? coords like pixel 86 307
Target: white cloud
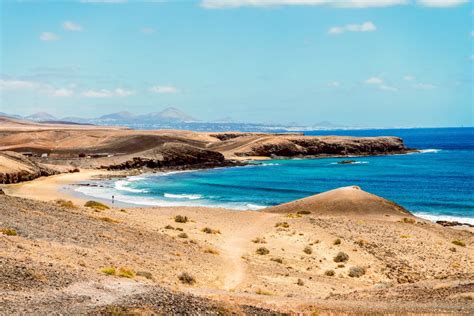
pixel 164 89
pixel 334 84
pixel 147 30
pixel 222 4
pixel 374 80
pixel 71 26
pixel 15 85
pixel 424 86
pixel 387 88
pixel 409 78
pixel 364 27
pixel 49 37
pixel 442 3
pixel 62 92
pixel 104 93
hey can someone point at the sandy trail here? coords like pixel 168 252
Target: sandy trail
pixel 239 244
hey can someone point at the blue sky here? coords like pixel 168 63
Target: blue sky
pixel 354 62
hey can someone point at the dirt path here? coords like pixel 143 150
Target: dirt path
pixel 239 244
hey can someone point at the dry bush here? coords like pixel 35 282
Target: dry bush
pixel 308 250
pixel 183 235
pixel 329 273
pixel 108 270
pixel 186 278
pixel 458 242
pixel 337 241
pixel 262 251
pixel 65 203
pixel 126 273
pixel 96 205
pixel 282 224
pixel 356 272
pixel 208 230
pixel 341 257
pixel 181 219
pixel 8 231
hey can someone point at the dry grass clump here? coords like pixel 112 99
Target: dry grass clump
pixel 329 273
pixel 263 292
pixel 183 235
pixel 108 219
pixel 181 219
pixel 341 257
pixel 300 282
pixel 145 274
pixel 458 242
pixel 308 250
pixel 186 278
pixel 211 251
pixel 293 215
pixel 356 272
pixel 65 203
pixel 126 273
pixel 169 227
pixel 408 220
pixel 8 231
pixel 262 251
pixel 208 230
pixel 108 270
pixel 259 240
pixel 304 212
pixel 337 241
pixel 96 205
pixel 405 236
pixel 282 224
pixel 278 260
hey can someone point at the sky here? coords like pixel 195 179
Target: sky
pixel 374 63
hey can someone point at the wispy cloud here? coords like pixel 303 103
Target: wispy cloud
pixel 71 26
pixel 409 78
pixel 104 93
pixel 374 80
pixel 65 93
pixel 147 30
pixel 223 4
pixel 34 86
pixel 334 84
pixel 13 84
pixel 387 88
pixel 49 37
pixel 442 3
pixel 424 86
pixel 364 27
pixel 163 89
pixel 380 84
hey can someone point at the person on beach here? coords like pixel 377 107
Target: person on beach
pixel 113 199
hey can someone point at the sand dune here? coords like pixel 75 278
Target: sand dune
pixel 347 201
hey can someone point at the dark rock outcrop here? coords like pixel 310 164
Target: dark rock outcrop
pixel 16 168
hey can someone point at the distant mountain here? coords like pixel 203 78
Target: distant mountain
pixel 169 114
pixel 40 117
pixel 124 115
pixel 10 115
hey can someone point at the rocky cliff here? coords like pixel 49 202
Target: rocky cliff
pixel 16 168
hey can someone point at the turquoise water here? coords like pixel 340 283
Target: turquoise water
pixel 436 183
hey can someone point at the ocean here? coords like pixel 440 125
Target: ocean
pixel 437 183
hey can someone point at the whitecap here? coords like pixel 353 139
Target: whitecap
pixel 434 218
pixel 183 196
pixel 428 151
pixel 122 185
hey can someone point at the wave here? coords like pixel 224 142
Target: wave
pixel 428 151
pixel 352 163
pixel 183 196
pixel 122 185
pixel 434 218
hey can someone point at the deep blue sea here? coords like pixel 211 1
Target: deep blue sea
pixel 437 183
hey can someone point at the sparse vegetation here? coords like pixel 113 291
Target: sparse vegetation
pixel 282 224
pixel 108 271
pixel 458 242
pixel 308 250
pixel 186 278
pixel 408 220
pixel 263 292
pixel 108 219
pixel 212 251
pixel 65 203
pixel 8 231
pixel 183 235
pixel 169 227
pixel 96 205
pixel 300 282
pixel 208 230
pixel 145 274
pixel 259 240
pixel 356 272
pixel 329 273
pixel 304 212
pixel 181 219
pixel 126 273
pixel 337 241
pixel 278 260
pixel 405 236
pixel 341 257
pixel 262 251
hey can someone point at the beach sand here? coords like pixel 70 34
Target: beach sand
pixel 408 266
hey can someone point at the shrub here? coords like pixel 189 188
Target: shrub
pixel 308 250
pixel 356 272
pixel 262 251
pixel 341 257
pixel 279 260
pixel 458 242
pixel 145 274
pixel 337 242
pixel 181 219
pixel 300 282
pixel 183 235
pixel 186 278
pixel 208 230
pixel 212 251
pixel 304 212
pixel 8 231
pixel 262 292
pixel 65 203
pixel 96 205
pixel 126 273
pixel 108 220
pixel 169 227
pixel 179 229
pixel 259 240
pixel 109 271
pixel 282 224
pixel 408 220
pixel 329 273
